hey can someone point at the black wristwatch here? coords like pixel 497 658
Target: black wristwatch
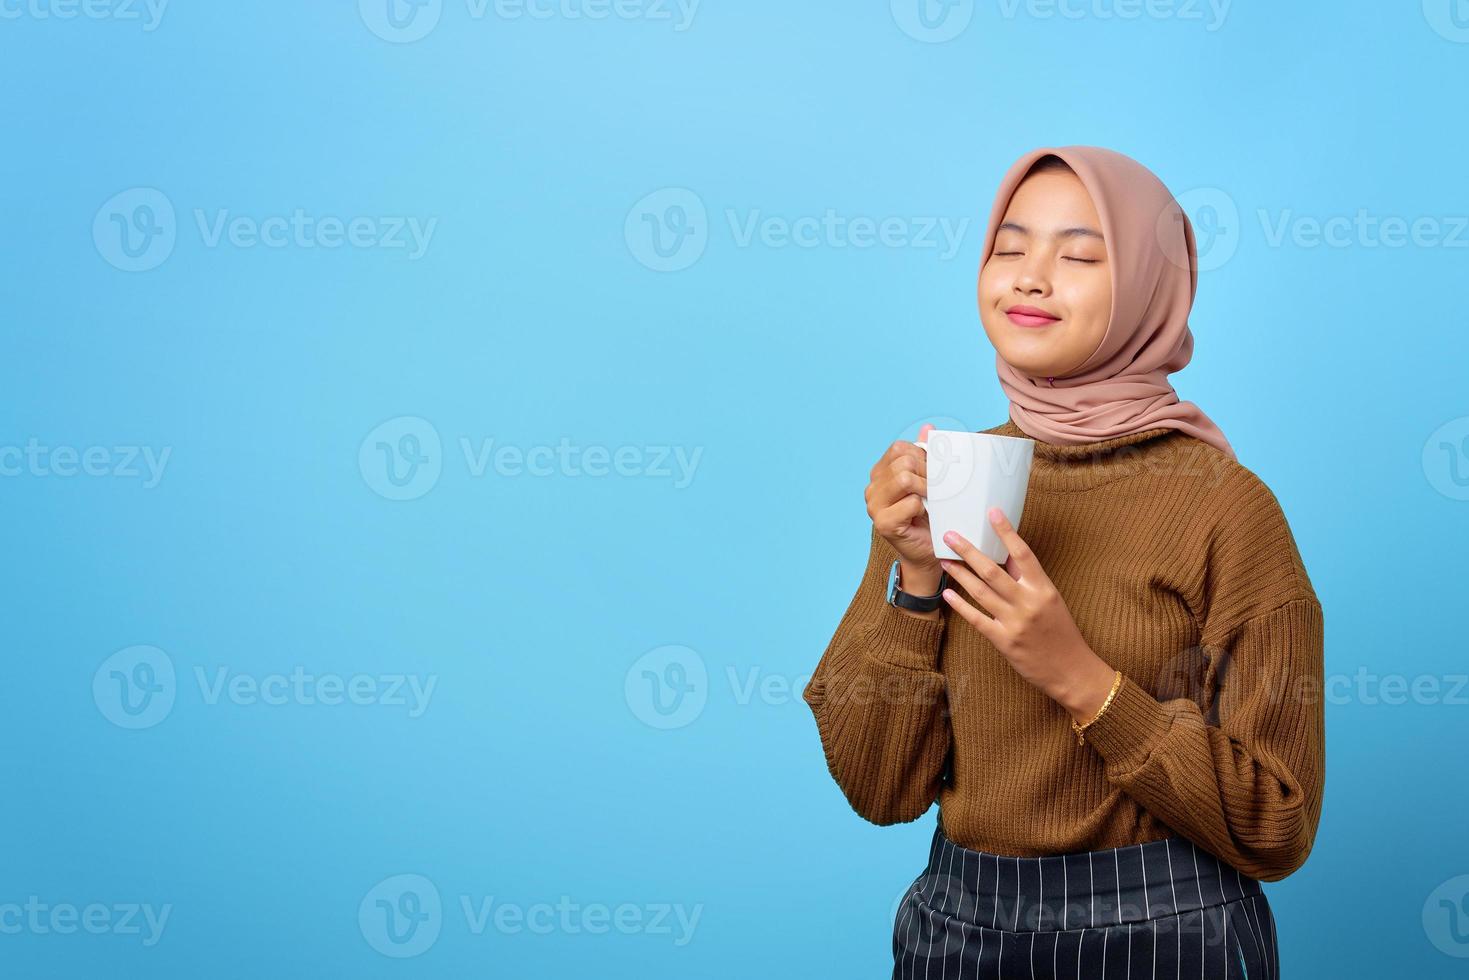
pixel 917 603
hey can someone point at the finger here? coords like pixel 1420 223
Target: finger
pixel 888 455
pixel 899 482
pixel 914 466
pixel 897 450
pixel 889 519
pixel 924 431
pixel 985 624
pixel 963 575
pixel 1025 560
pixel 983 566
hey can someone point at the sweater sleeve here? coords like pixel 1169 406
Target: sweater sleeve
pixel 879 702
pixel 1246 781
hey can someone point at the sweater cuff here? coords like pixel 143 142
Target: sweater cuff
pixel 901 640
pixel 1134 724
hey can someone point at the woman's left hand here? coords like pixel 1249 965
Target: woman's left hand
pixel 1028 621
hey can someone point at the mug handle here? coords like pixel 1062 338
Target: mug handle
pixel 924 447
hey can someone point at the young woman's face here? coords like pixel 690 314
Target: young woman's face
pixel 1049 257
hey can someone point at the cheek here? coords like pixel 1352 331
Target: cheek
pixel 1088 299
pixel 990 284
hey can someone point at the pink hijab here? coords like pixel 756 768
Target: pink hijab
pixel 1123 387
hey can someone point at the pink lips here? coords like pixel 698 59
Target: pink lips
pixel 1029 316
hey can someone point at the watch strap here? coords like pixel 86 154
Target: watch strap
pixel 915 603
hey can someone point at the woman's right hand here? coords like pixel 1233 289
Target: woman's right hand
pixel 895 495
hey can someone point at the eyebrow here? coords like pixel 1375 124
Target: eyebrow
pixel 1063 233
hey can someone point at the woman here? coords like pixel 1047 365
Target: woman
pixel 1122 724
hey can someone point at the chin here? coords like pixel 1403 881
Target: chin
pixel 1034 370
pixel 1027 349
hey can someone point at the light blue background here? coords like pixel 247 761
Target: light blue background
pixel 538 769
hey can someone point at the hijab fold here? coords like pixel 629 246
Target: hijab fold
pixel 1123 386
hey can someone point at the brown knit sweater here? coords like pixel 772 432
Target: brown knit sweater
pixel 1180 570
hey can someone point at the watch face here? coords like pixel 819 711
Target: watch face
pixel 893 583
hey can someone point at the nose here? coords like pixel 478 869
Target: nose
pixel 1031 278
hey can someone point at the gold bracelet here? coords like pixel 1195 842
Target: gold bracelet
pixel 1080 730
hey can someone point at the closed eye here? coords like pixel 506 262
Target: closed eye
pixel 1069 258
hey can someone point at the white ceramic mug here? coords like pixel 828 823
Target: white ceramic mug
pixel 968 473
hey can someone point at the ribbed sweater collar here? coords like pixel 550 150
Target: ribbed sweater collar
pixel 1069 468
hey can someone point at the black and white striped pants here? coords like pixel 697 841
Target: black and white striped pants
pixel 1164 910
